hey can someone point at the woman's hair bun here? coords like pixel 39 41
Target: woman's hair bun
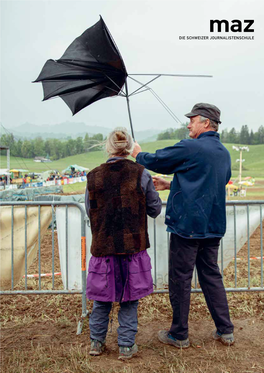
pixel 119 142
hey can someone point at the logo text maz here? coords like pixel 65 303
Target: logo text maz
pixel 236 25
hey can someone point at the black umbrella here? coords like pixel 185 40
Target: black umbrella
pixel 91 68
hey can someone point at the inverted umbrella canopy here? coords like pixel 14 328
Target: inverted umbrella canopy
pixel 90 69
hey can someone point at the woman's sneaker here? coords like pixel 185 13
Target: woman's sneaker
pixel 97 347
pixel 165 337
pixel 226 339
pixel 127 352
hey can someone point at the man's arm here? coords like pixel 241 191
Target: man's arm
pixel 165 161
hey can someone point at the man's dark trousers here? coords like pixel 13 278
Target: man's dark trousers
pixel 184 254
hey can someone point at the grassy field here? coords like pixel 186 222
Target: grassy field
pixel 253 165
pixel 89 160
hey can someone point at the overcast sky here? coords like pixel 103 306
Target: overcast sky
pixel 147 35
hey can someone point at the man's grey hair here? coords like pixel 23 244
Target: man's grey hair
pixel 213 124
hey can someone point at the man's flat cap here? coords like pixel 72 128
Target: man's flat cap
pixel 205 110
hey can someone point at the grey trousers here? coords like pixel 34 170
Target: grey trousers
pixel 127 318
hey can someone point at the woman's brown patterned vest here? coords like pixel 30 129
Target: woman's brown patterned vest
pixel 117 209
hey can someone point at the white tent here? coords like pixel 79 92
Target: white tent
pixel 4 171
pixel 76 167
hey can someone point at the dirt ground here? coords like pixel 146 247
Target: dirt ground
pixel 47 346
pixel 38 332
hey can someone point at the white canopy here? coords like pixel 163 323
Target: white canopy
pixel 4 171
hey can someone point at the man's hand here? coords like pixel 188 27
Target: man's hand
pixel 160 184
pixel 137 149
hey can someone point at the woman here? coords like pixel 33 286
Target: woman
pixel 119 196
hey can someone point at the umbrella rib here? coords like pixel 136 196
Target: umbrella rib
pixel 160 101
pixel 71 90
pixel 99 90
pixel 144 85
pixel 120 88
pixel 165 106
pixel 144 90
pixel 178 75
pixel 111 89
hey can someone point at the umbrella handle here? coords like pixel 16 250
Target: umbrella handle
pixel 129 112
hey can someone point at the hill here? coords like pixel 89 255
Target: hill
pixel 71 129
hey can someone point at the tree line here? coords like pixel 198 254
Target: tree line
pixel 244 136
pixel 56 149
pixel 172 133
pixel 52 148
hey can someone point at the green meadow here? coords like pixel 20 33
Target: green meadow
pixel 253 165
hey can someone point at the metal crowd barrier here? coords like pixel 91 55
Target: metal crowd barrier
pixel 249 287
pixel 83 222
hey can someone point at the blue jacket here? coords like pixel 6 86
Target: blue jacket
pixel 202 168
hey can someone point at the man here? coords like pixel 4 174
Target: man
pixel 196 219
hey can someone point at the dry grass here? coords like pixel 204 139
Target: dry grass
pixel 71 358
pixel 43 338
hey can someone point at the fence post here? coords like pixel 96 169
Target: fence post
pixel 83 259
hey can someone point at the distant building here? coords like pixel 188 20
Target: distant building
pixel 41 159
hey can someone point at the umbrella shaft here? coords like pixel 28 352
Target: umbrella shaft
pixel 129 112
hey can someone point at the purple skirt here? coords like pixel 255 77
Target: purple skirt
pixel 119 278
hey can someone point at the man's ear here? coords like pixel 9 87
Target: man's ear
pixel 206 123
